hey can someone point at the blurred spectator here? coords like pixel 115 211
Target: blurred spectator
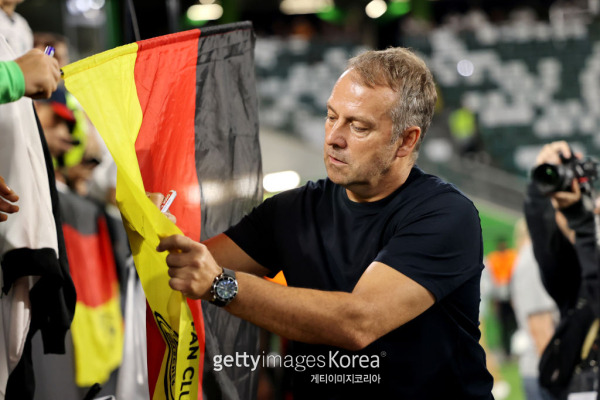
pixel 563 235
pixel 463 128
pixel 553 248
pixel 88 150
pixel 57 121
pixel 80 163
pixel 38 291
pixel 536 314
pixel 103 184
pixel 61 49
pixel 499 264
pixel 15 28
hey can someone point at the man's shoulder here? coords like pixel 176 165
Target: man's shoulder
pixel 427 189
pixel 309 193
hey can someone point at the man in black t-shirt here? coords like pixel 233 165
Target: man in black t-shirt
pixel 383 261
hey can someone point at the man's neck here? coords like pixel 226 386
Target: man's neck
pixel 365 194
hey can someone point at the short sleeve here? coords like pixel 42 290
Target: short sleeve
pixel 439 245
pixel 12 82
pixel 254 234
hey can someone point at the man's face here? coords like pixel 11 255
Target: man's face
pixel 56 129
pixel 358 151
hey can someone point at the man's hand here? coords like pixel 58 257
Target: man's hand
pixel 41 73
pixel 550 153
pixel 157 199
pixel 7 193
pixel 192 267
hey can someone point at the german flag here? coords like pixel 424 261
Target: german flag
pixel 181 112
pixel 97 328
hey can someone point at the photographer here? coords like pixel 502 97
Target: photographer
pixel 560 217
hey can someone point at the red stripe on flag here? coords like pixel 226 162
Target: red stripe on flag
pixel 165 146
pixel 165 77
pixel 92 264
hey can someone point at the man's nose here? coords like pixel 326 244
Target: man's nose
pixel 336 135
pixel 63 131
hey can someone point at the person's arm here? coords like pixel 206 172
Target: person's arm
pixel 581 220
pixel 34 74
pixel 12 82
pixel 541 328
pixel 382 300
pixel 7 193
pixel 555 255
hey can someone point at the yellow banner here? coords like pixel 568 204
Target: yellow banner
pixel 104 85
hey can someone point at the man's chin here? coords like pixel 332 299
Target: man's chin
pixel 336 177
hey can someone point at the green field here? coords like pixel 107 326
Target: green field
pixel 496 223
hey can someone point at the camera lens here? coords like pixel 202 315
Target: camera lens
pixel 551 178
pixel 547 174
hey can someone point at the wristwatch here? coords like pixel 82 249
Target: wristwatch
pixel 224 288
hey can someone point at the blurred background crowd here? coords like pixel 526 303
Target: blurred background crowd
pixel 512 75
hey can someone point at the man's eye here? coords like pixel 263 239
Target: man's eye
pixel 330 118
pixel 358 129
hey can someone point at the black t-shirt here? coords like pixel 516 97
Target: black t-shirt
pixel 428 231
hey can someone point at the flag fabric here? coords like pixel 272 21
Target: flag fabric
pixel 97 328
pixel 132 382
pixel 181 112
pixel 38 292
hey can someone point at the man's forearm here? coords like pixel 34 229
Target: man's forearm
pixel 307 315
pixel 541 328
pixel 382 300
pixel 347 320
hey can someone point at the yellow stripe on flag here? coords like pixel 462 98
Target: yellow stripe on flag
pixel 101 331
pixel 104 85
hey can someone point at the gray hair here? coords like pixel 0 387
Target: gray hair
pixel 405 73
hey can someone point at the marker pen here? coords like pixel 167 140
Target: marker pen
pixel 49 51
pixel 168 200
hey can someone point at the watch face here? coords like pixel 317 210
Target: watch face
pixel 226 289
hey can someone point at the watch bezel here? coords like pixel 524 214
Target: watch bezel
pixel 222 278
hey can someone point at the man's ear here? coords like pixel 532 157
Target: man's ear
pixel 408 140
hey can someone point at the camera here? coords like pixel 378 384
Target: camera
pixel 551 178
